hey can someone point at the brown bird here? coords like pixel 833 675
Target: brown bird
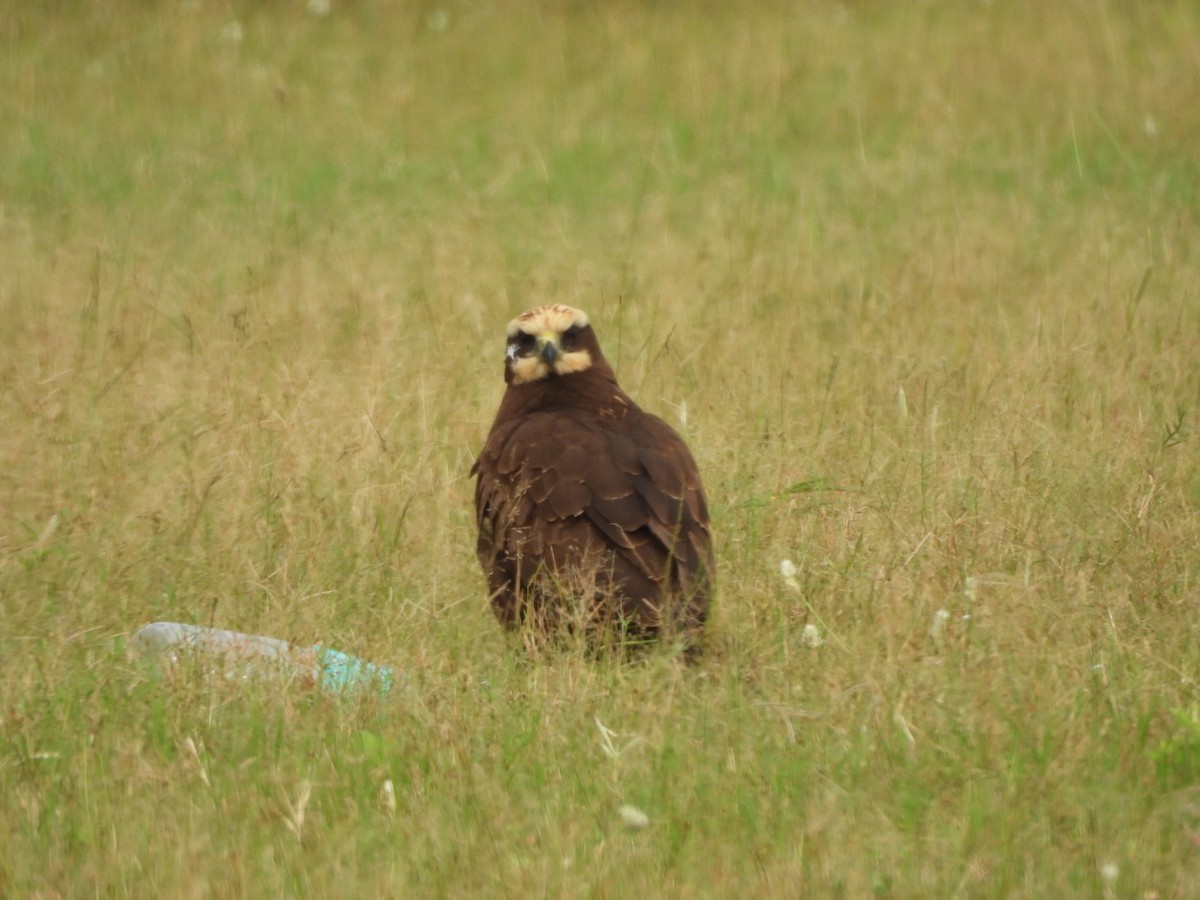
pixel 591 512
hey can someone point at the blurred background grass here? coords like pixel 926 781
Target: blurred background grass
pixel 918 282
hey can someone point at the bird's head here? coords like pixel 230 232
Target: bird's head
pixel 549 341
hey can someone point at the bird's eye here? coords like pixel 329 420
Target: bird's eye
pixel 521 344
pixel 571 333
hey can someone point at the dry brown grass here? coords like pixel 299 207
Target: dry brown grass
pixel 917 282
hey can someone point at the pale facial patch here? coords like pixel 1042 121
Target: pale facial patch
pixel 544 324
pixel 532 368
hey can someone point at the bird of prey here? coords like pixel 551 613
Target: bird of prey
pixel 591 513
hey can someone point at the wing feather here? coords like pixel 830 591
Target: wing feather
pixel 553 484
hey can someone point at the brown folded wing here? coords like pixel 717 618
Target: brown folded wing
pixel 560 492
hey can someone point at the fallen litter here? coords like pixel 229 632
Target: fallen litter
pixel 247 656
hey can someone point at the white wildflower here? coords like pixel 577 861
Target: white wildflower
pixel 788 570
pixel 387 797
pixel 319 7
pixel 811 636
pixel 938 628
pixel 633 818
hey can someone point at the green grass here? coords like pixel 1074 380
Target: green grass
pixel 919 284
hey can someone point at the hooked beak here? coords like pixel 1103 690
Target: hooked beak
pixel 548 349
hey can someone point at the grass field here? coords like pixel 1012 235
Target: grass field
pixel 919 283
